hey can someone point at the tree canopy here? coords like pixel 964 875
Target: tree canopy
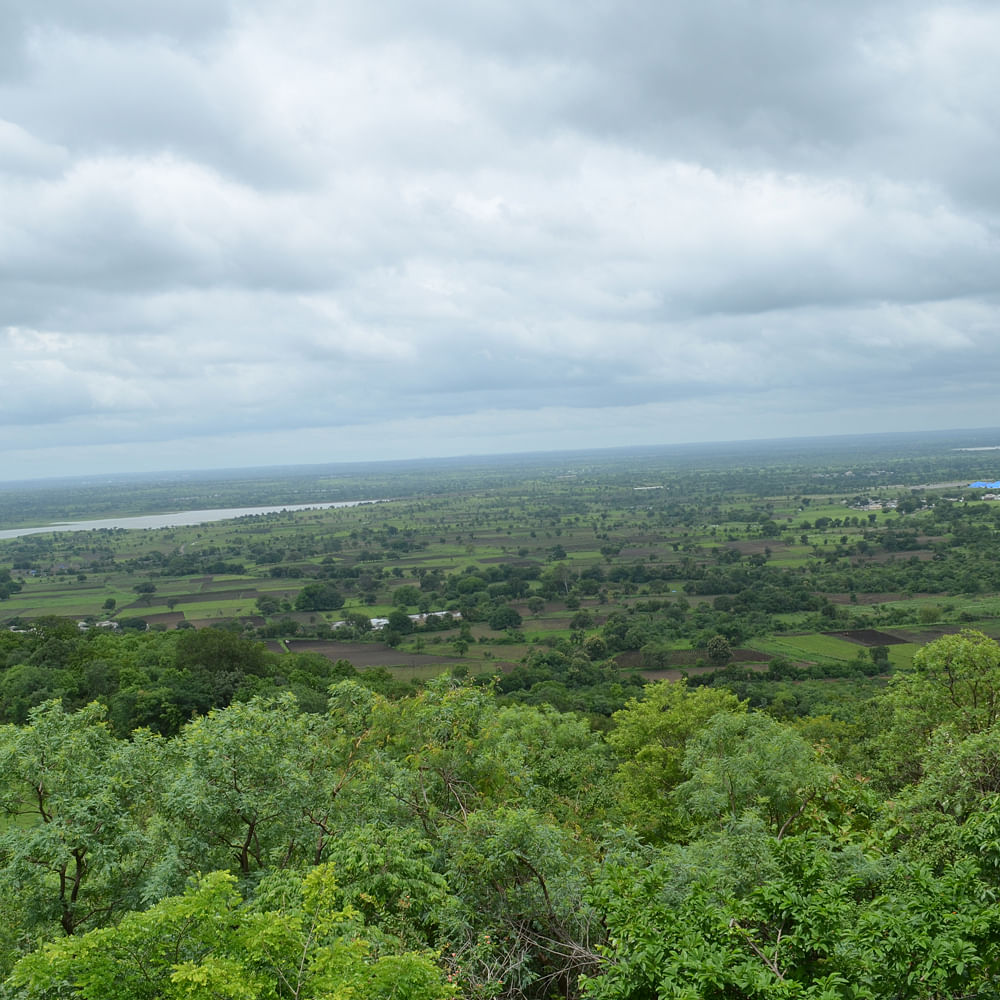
pixel 449 843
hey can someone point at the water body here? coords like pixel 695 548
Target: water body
pixel 180 519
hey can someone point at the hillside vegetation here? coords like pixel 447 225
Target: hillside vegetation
pixel 684 727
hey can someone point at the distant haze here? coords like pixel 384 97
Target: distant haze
pixel 244 233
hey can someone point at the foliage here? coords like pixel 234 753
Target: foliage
pixel 538 815
pixel 650 738
pixel 209 941
pixel 319 597
pixel 823 923
pixel 750 763
pixel 255 786
pixel 954 682
pixel 75 850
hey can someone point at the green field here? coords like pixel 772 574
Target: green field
pixel 718 550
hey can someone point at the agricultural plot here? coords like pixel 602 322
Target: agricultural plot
pixel 868 637
pixel 813 648
pixel 542 561
pixel 364 656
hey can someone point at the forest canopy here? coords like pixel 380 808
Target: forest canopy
pixel 446 843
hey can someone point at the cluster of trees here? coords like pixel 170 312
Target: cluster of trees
pixel 158 680
pixel 445 843
pixel 593 539
pixel 8 585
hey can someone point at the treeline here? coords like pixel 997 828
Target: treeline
pixel 446 844
pixel 160 680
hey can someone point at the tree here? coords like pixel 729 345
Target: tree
pixel 217 663
pixel 504 616
pixel 8 585
pixel 399 622
pixel 294 939
pixel 243 781
pixel 880 657
pixel 955 682
pixel 800 919
pixel 564 769
pixel 957 678
pixel 386 874
pixel 260 784
pixel 939 818
pixel 649 736
pixel 750 763
pixel 519 917
pixel 75 850
pixel 268 605
pixel 405 596
pixel 319 597
pixel 718 649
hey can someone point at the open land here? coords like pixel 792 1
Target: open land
pixel 811 557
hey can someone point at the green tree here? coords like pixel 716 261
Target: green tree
pixel 562 768
pixel 750 763
pixel 955 679
pixel 8 585
pixel 405 596
pixel 520 917
pixel 718 649
pixel 649 736
pixel 880 657
pixel 75 848
pixel 802 919
pixel 294 940
pixel 256 785
pixel 386 873
pixel 954 682
pixel 504 616
pixel 937 820
pixel 400 622
pixel 319 597
pixel 218 650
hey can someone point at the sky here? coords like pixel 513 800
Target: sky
pixel 252 232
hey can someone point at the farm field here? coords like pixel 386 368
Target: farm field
pixel 540 563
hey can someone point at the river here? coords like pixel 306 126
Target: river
pixel 180 519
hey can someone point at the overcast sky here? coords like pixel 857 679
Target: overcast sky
pixel 248 233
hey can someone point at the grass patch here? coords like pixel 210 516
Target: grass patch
pixel 813 647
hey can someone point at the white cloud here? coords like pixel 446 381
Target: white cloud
pixel 489 227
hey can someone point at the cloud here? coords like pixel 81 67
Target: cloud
pixel 513 224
